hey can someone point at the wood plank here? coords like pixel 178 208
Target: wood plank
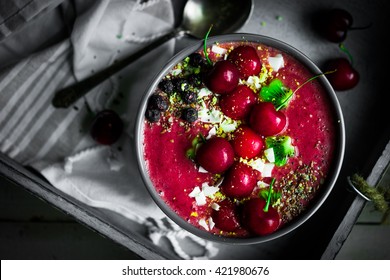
pixel 367 242
pixel 16 204
pixel 57 240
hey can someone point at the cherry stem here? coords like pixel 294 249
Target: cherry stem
pixel 345 50
pixel 202 138
pixel 307 81
pixel 285 101
pixel 360 27
pixel 205 46
pixel 269 196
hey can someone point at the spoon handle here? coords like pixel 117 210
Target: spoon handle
pixel 67 96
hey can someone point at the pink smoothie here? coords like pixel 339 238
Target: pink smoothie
pixel 310 124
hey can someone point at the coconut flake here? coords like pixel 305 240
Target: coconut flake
pixel 210 116
pixel 229 126
pixel 194 192
pixel 269 154
pixel 257 164
pixel 211 223
pixel 218 50
pixel 267 171
pixel 212 132
pixel 204 92
pixel 254 81
pixel 215 206
pixel 276 62
pixel 203 223
pixel 200 199
pixel 202 170
pixel 209 190
pixel 199 196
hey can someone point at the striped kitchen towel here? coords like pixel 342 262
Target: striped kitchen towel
pixel 14 15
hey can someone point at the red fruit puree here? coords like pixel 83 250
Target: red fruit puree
pixel 310 125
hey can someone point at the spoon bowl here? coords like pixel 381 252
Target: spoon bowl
pixel 226 16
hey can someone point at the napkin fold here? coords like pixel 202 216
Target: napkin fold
pixel 57 143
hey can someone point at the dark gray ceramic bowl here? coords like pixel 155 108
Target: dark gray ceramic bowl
pixel 333 172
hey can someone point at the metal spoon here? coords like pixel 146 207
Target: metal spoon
pixel 226 16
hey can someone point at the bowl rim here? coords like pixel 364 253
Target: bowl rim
pixel 333 173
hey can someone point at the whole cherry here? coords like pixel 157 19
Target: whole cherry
pixel 246 59
pixel 223 77
pixel 106 127
pixel 239 181
pixel 247 143
pixel 265 120
pixel 216 155
pixel 258 219
pixel 333 24
pixel 343 75
pixel 226 217
pixel 237 104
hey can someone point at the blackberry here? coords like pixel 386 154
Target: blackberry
pixel 188 97
pixel 205 67
pixel 153 115
pixel 189 114
pixel 157 102
pixel 196 59
pixel 181 84
pixel 166 86
pixel 195 80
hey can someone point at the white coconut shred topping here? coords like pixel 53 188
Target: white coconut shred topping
pixel 269 154
pixel 204 224
pixel 210 116
pixel 218 50
pixel 267 171
pixel 201 195
pixel 276 62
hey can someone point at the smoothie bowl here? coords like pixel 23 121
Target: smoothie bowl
pixel 240 139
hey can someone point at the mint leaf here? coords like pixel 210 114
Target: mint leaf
pixel 283 149
pixel 276 93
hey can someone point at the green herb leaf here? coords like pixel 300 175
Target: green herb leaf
pixel 276 93
pixel 283 149
pixel 275 196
